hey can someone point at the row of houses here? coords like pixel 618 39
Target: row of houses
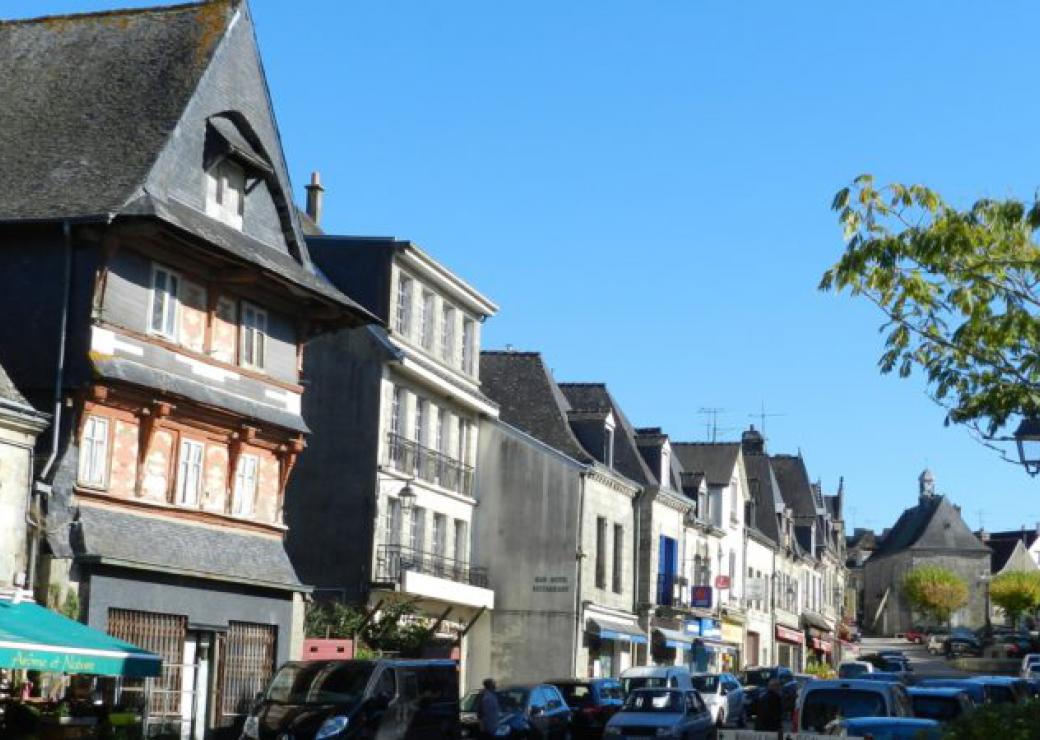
pixel 932 532
pixel 213 413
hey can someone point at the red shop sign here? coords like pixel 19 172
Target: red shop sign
pixel 721 581
pixel 789 635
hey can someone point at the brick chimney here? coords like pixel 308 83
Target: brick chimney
pixel 752 442
pixel 315 198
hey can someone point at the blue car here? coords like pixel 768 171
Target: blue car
pixel 975 691
pixel 662 712
pixel 888 728
pixel 941 704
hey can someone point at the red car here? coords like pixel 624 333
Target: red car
pixel 917 635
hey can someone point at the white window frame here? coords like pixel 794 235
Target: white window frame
pixel 428 323
pixel 93 452
pixel 469 345
pixel 448 339
pixel 219 187
pixel 247 471
pixel 170 302
pixel 460 534
pixel 394 521
pixel 258 331
pixel 462 443
pixel 418 533
pixel 405 292
pixel 439 545
pixel 190 471
pixel 423 417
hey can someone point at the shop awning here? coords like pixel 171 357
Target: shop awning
pixel 718 646
pixel 812 619
pixel 674 638
pixel 613 629
pixel 37 639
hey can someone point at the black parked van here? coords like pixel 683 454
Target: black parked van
pixel 346 699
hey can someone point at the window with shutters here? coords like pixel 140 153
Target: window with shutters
pixel 253 350
pixel 244 495
pixel 93 453
pixel 189 472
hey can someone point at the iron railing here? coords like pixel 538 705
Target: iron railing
pixel 392 561
pixel 429 465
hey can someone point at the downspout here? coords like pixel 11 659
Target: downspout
pixel 59 382
pixel 637 502
pixel 579 556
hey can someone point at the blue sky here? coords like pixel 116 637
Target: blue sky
pixel 643 187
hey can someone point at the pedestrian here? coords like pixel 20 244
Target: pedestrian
pixel 488 709
pixel 769 710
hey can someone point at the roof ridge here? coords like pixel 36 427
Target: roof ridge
pixel 86 15
pixel 583 384
pixel 526 353
pixel 705 444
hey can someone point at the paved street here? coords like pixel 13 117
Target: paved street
pixel 923 662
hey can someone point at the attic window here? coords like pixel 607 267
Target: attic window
pixel 226 192
pixel 234 166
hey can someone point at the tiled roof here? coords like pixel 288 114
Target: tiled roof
pixel 716 460
pixel 932 524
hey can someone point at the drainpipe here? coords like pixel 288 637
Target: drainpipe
pixel 579 556
pixel 59 381
pixel 636 502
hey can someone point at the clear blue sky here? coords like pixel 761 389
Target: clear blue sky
pixel 644 188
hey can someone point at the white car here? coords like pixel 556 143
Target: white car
pixel 723 695
pixel 1029 662
pixel 935 643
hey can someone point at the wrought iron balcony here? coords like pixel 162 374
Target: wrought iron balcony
pixel 392 561
pixel 429 465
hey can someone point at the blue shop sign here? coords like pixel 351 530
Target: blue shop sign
pixel 701 597
pixel 710 628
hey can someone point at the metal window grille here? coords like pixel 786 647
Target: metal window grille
pixel 162 634
pixel 247 666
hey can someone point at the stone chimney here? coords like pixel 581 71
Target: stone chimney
pixel 926 484
pixel 315 198
pixel 752 442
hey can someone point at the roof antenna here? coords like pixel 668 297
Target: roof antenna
pixel 509 348
pixel 762 416
pixel 711 424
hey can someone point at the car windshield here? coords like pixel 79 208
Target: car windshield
pixel 851 670
pixel 576 694
pixel 320 683
pixel 512 700
pixel 942 708
pixel 654 700
pixel 706 684
pixel 643 682
pixel 759 677
pixel 823 707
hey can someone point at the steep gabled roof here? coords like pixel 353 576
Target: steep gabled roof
pixel 1026 536
pixel 1002 549
pixel 795 487
pixel 528 398
pixel 766 494
pixel 933 524
pixel 594 397
pixel 8 391
pixel 715 459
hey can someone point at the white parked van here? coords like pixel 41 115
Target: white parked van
pixel 656 677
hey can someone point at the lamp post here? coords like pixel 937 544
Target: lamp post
pixel 984 579
pixel 407 497
pixel 1027 438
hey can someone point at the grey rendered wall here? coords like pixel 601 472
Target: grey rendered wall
pixel 525 532
pixel 205 604
pixel 127 299
pixel 330 501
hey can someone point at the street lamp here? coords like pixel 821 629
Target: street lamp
pixel 984 579
pixel 1027 437
pixel 407 497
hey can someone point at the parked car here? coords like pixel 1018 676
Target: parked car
pixel 593 701
pixel 887 676
pixel 803 678
pixel 1029 659
pixel 975 691
pixel 941 704
pixel 888 728
pixel 654 677
pixel 1004 689
pixel 855 668
pixel 527 711
pixel 935 643
pixel 756 678
pixel 896 664
pixel 891 653
pixel 723 695
pixel 358 698
pixel 662 712
pixel 1016 644
pixel 962 641
pixel 916 635
pixel 822 702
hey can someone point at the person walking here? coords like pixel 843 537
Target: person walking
pixel 488 710
pixel 769 711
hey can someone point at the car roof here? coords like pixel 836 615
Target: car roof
pixel 382 661
pixel 854 662
pixel 891 721
pixel 943 691
pixel 652 670
pixel 676 689
pixel 846 683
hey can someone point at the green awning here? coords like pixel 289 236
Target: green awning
pixel 36 639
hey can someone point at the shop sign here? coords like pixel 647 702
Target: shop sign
pixel 693 627
pixel 710 629
pixel 701 597
pixel 721 582
pixel 732 633
pixel 821 645
pixel 789 635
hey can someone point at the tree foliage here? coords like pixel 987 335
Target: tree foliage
pixel 1016 592
pixel 395 628
pixel 959 292
pixel 935 591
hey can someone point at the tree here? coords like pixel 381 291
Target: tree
pixel 1016 592
pixel 960 291
pixel 395 628
pixel 935 591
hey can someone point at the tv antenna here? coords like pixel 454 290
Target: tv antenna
pixel 762 415
pixel 711 424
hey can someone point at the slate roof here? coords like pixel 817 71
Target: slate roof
pixel 795 487
pixel 832 502
pixel 758 468
pixel 715 459
pixel 803 535
pixel 8 391
pixel 628 461
pixel 932 524
pixel 1027 536
pixel 193 550
pixel 527 397
pixel 1002 549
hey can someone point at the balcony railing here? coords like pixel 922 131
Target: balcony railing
pixel 429 465
pixel 392 561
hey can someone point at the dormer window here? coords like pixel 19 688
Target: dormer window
pixel 226 192
pixel 608 441
pixel 666 465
